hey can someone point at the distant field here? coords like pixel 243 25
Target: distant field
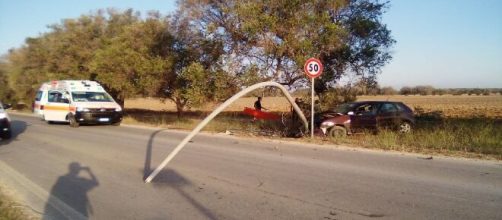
pixel 451 106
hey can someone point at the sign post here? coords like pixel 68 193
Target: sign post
pixel 312 111
pixel 313 68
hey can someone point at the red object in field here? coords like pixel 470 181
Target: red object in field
pixel 261 115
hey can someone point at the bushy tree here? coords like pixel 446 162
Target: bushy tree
pixel 424 90
pixel 276 37
pixel 7 95
pixel 388 90
pixel 194 52
pixel 365 48
pixel 65 52
pixel 406 90
pixel 191 87
pixel 130 64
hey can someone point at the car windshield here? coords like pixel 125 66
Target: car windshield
pixel 345 108
pixel 91 97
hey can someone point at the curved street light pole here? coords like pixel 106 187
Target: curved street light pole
pixel 220 108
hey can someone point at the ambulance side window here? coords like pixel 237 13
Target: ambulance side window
pixel 56 97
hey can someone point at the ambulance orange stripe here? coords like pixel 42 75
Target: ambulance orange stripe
pixel 57 108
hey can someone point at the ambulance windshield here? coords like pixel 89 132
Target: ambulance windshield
pixel 91 97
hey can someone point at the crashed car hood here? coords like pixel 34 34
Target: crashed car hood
pixel 339 119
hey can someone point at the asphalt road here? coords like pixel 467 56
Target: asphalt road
pixel 97 172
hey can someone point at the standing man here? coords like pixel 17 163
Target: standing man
pixel 257 105
pixel 258 108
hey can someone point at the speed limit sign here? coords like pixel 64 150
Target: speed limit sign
pixel 313 67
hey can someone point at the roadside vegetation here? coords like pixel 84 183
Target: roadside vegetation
pixel 474 137
pixel 454 126
pixel 9 210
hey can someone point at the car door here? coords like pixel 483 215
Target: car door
pixel 387 116
pixel 364 117
pixel 57 107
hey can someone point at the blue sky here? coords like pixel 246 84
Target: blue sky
pixel 443 43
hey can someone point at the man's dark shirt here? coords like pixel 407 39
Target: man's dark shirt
pixel 257 105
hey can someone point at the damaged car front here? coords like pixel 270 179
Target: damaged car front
pixel 336 123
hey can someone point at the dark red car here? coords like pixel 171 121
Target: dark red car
pixel 354 117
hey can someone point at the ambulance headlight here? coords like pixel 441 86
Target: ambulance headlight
pixel 82 109
pixel 118 109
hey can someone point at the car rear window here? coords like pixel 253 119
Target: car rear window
pixel 403 107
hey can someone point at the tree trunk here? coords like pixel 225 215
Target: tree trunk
pixel 121 102
pixel 180 105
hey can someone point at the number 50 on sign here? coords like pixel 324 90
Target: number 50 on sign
pixel 313 68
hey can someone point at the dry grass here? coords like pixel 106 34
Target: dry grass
pixel 474 138
pixel 10 210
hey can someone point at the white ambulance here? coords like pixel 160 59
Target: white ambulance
pixel 76 102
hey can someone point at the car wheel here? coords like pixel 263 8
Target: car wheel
pixel 404 127
pixel 337 132
pixel 73 121
pixel 116 124
pixel 7 135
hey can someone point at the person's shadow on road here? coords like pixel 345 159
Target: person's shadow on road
pixel 68 198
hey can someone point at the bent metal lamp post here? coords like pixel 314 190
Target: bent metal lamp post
pixel 220 108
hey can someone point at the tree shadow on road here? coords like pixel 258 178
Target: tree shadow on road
pixel 68 197
pixel 18 127
pixel 171 178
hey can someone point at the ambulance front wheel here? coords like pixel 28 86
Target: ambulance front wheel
pixel 73 121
